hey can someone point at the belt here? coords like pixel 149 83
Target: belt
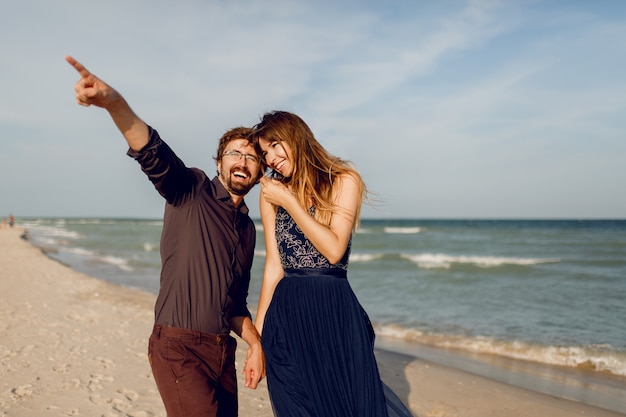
pixel 188 334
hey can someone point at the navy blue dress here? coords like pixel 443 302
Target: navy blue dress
pixel 318 340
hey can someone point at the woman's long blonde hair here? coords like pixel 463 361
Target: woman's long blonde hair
pixel 314 169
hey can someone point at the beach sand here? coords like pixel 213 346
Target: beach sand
pixel 73 345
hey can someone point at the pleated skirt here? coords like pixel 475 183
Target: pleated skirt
pixel 319 348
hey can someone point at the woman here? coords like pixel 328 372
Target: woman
pixel 317 338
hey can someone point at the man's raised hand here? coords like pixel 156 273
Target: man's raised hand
pixel 90 90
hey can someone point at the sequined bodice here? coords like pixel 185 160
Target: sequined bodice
pixel 296 251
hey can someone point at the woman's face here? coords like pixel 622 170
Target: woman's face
pixel 278 156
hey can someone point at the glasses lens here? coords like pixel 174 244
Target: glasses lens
pixel 237 155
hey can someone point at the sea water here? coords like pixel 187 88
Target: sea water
pixel 546 291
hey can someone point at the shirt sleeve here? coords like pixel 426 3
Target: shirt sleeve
pixel 169 175
pixel 239 291
pixel 240 305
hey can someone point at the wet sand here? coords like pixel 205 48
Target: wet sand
pixel 73 345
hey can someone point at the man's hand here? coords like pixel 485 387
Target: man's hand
pixel 254 368
pixel 91 90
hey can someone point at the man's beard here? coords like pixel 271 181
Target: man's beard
pixel 237 188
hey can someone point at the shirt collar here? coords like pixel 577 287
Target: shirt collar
pixel 222 194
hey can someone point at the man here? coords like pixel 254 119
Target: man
pixel 207 247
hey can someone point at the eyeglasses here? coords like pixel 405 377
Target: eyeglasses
pixel 238 155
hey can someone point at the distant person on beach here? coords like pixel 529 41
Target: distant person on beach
pixel 317 339
pixel 207 247
pixel 11 220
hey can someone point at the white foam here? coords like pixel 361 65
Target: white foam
pixel 402 230
pixel 48 241
pixel 365 257
pixel 49 231
pixel 89 221
pixel 440 260
pixel 149 247
pixel 601 358
pixel 80 251
pixel 121 263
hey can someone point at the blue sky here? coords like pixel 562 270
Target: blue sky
pixel 450 109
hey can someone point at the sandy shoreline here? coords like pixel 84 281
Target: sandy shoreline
pixel 73 345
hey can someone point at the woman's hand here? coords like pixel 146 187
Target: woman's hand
pixel 275 192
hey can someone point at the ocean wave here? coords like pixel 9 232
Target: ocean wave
pixel 365 257
pixel 49 241
pixel 90 221
pixel 157 223
pixel 439 260
pixel 117 261
pixel 149 247
pixel 121 263
pixel 53 232
pixel 600 358
pixel 402 230
pixel 80 251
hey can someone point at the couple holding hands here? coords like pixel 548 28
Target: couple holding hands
pixel 311 337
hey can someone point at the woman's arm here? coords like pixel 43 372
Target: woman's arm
pixel 331 241
pixel 273 271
